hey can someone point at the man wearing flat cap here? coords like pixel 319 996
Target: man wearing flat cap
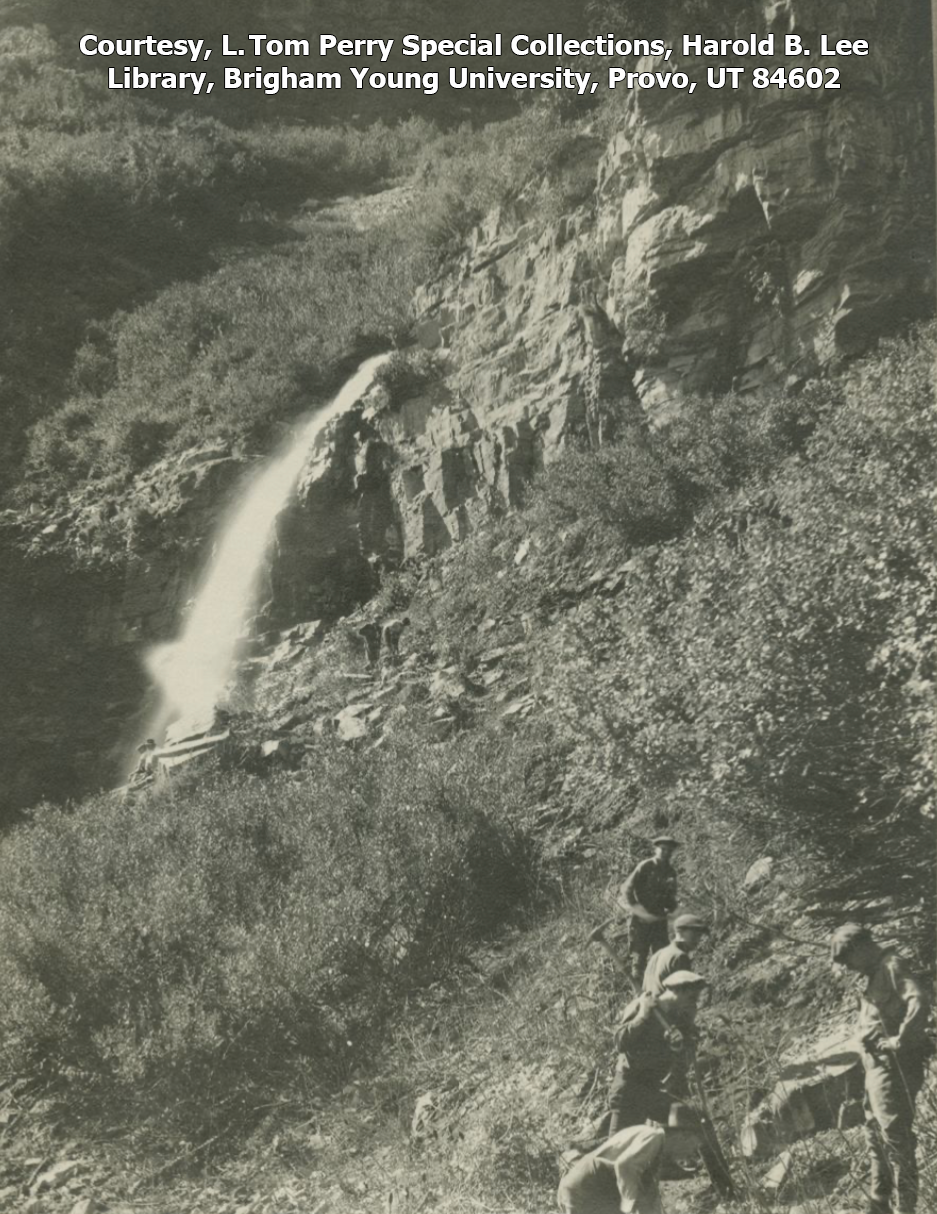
pixel 656 1042
pixel 688 931
pixel 622 1175
pixel 650 893
pixel 893 1011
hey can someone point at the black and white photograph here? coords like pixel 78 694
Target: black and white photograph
pixel 468 607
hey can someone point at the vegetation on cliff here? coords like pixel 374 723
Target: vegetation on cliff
pixel 164 291
pixel 724 627
pixel 771 644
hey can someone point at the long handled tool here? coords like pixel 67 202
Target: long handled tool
pixel 713 1156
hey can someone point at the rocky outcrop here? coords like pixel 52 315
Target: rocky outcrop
pixel 89 589
pixel 818 1093
pixel 734 239
pixel 727 240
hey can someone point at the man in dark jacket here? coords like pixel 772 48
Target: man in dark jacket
pixel 656 1042
pixel 650 893
pixel 893 1013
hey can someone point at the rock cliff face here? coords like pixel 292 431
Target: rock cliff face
pixel 734 240
pixel 726 240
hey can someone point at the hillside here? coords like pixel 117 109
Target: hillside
pixel 648 472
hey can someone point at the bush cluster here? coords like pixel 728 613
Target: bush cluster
pixel 228 357
pixel 786 645
pixel 772 644
pixel 125 340
pixel 201 945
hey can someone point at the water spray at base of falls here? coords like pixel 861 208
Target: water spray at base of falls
pixel 192 672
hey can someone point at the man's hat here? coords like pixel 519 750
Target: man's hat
pixel 665 841
pixel 147 745
pixel 845 937
pixel 694 921
pixel 682 1117
pixel 684 980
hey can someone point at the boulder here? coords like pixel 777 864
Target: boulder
pixel 349 726
pixel 309 633
pixel 777 1177
pixel 87 1205
pixel 759 874
pixel 807 1097
pixel 448 686
pixel 424 1113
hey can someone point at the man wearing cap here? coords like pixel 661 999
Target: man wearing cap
pixel 688 931
pixel 656 1043
pixel 650 894
pixel 892 1022
pixel 623 1173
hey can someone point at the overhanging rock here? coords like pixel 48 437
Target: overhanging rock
pixel 168 759
pixel 810 1095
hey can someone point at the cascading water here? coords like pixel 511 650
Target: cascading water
pixel 191 673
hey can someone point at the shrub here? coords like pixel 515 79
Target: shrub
pixel 465 172
pixel 783 650
pixel 203 943
pixel 258 341
pixel 407 372
pixel 626 493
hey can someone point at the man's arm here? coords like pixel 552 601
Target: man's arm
pixel 912 995
pixel 670 898
pixel 684 1055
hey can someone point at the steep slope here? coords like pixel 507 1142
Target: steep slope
pixel 728 240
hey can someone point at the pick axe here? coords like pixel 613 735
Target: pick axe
pixel 598 936
pixel 713 1156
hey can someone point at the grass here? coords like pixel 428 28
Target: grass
pixel 114 217
pixel 245 928
pixel 167 350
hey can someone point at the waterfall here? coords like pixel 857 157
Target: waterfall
pixel 191 672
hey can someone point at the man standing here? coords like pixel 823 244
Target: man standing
pixel 650 894
pixel 391 633
pixel 892 1021
pixel 656 1042
pixel 688 932
pixel 371 632
pixel 622 1174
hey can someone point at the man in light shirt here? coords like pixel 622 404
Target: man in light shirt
pixel 893 1011
pixel 622 1176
